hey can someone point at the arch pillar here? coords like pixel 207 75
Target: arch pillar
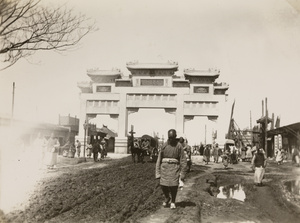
pixel 179 120
pixel 121 139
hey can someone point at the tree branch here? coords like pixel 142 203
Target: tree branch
pixel 29 27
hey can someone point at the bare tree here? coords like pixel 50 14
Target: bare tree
pixel 27 26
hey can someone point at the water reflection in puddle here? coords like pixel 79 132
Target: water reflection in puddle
pixel 232 191
pixel 293 186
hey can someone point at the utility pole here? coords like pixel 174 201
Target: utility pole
pixel 251 129
pixel 262 107
pixel 266 129
pixel 86 127
pixel 13 103
pixel 250 121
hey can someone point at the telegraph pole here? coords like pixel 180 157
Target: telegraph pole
pixel 266 129
pixel 12 104
pixel 251 129
pixel 262 107
pixel 250 120
pixel 86 127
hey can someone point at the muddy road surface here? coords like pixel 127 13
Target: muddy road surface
pixel 118 190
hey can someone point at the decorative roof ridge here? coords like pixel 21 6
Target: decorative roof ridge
pixel 221 85
pixel 123 79
pixel 180 79
pixel 136 62
pixel 210 70
pixel 97 70
pixel 84 82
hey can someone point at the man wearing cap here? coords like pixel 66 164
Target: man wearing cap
pixel 170 168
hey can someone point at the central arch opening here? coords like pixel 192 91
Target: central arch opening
pixel 199 130
pixel 150 121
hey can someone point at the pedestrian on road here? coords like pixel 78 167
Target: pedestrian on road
pixel 188 151
pixel 206 154
pixel 220 153
pixel 215 153
pixel 259 163
pixel 52 151
pixel 78 147
pixel 96 150
pixel 201 149
pixel 171 168
pixel 103 149
pixel 225 160
pixel 295 155
pixel 89 150
pixel 65 148
pixel 279 156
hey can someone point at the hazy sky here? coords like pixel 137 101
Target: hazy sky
pixel 255 44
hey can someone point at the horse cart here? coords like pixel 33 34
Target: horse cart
pixel 143 146
pixel 150 145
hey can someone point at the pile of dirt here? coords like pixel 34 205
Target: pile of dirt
pixel 114 193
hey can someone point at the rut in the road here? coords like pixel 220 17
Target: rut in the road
pixel 182 202
pixel 115 193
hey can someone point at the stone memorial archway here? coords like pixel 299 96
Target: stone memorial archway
pixel 151 86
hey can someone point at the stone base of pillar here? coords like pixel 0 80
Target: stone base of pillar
pixel 121 145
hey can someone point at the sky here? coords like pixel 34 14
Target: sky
pixel 255 44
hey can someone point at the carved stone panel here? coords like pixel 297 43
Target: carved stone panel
pixel 201 90
pixel 152 82
pixel 103 89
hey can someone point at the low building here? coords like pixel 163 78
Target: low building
pixel 27 132
pixel 102 133
pixel 284 137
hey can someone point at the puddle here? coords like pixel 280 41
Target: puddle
pixel 293 186
pixel 235 191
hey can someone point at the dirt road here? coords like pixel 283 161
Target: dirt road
pixel 198 203
pixel 117 190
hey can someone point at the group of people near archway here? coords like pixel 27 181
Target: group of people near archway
pixel 96 148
